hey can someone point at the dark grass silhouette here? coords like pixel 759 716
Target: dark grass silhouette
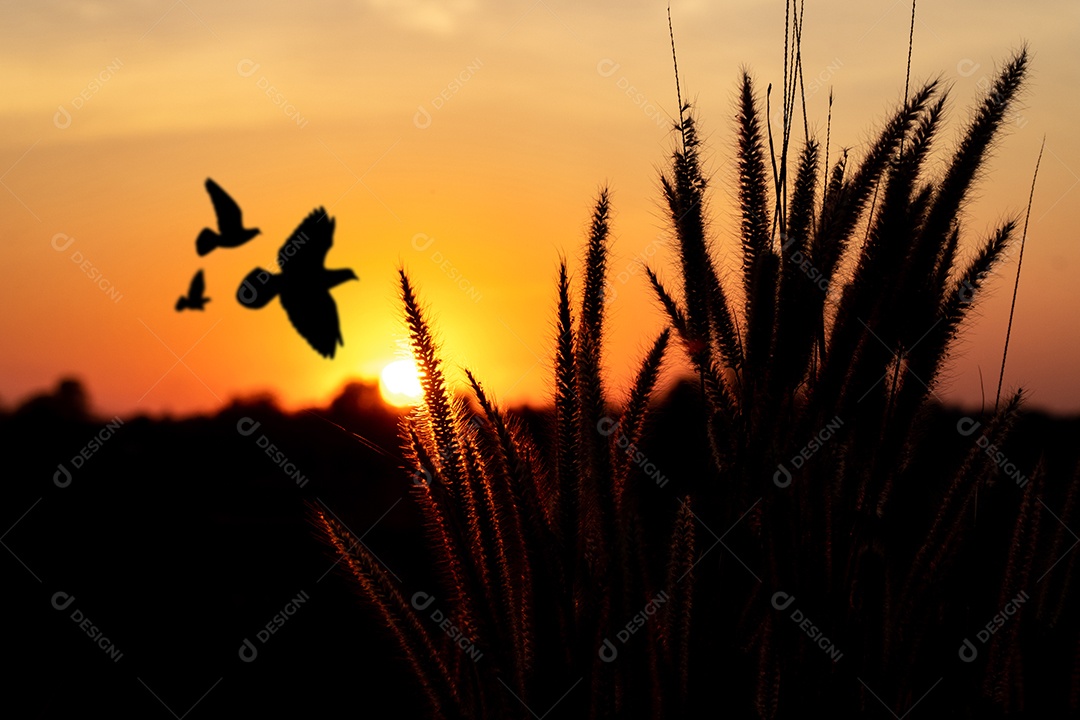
pixel 828 493
pixel 820 386
pixel 196 295
pixel 303 284
pixel 231 231
pixel 542 562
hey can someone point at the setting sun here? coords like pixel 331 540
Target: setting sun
pixel 399 383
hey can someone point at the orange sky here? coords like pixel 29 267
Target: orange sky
pixel 476 131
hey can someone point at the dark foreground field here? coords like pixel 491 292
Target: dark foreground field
pixel 176 571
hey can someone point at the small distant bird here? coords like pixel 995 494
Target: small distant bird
pixel 231 231
pixel 195 299
pixel 303 284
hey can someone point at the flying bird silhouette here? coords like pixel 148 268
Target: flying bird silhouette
pixel 303 284
pixel 231 231
pixel 195 299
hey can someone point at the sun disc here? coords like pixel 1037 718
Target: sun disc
pixel 399 383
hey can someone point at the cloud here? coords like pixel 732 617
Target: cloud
pixel 425 16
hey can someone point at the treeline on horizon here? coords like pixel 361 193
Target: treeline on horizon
pixel 71 399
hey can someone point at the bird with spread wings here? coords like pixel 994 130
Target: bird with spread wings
pixel 231 231
pixel 303 284
pixel 196 297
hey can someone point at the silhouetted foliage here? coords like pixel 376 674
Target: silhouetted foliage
pixel 836 482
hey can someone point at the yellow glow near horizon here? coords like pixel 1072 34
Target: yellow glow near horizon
pixel 399 384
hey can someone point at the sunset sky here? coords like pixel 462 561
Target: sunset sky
pixel 466 140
